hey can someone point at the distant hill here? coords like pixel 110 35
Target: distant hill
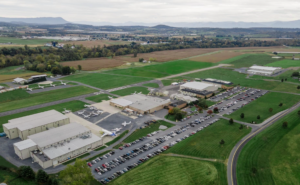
pixel 161 26
pixel 38 20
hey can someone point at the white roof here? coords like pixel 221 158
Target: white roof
pixel 69 147
pixel 58 134
pixel 121 101
pixel 198 86
pixel 174 83
pixel 264 68
pixel 38 76
pixel 149 103
pixel 257 71
pixel 35 120
pixel 19 80
pixel 24 144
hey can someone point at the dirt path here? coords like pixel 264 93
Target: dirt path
pixel 190 157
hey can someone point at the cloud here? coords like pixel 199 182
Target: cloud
pixel 154 10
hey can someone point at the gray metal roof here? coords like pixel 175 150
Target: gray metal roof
pixel 24 144
pixel 149 103
pixel 57 134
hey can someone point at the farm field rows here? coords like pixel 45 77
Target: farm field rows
pixel 95 43
pixel 12 102
pixel 175 170
pixel 249 60
pixel 272 156
pixel 262 105
pixel 205 143
pixel 285 63
pixel 131 90
pixel 91 64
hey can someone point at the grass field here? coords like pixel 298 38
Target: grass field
pixel 13 102
pixel 98 98
pixel 22 42
pixel 249 60
pixel 7 74
pixel 105 81
pixel 286 75
pixel 143 132
pixel 261 107
pixel 163 69
pixel 175 170
pixel 274 153
pixel 205 143
pixel 72 105
pixel 285 63
pixel 130 90
pixel 117 138
pixel 154 85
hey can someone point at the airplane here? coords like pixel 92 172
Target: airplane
pixel 113 134
pixel 61 82
pixel 86 116
pixel 96 93
pixel 86 105
pixel 80 112
pixel 66 111
pixel 110 97
pixel 95 113
pixel 99 111
pixel 29 89
pixel 52 85
pixel 117 129
pixel 124 124
pixel 41 87
pixel 140 93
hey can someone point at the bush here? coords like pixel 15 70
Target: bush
pixel 42 177
pixel 66 70
pixel 209 112
pixel 55 71
pixel 26 172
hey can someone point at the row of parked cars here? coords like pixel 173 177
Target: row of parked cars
pixel 132 143
pixel 228 93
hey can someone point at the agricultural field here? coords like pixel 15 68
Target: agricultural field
pixel 205 143
pixel 249 60
pixel 272 156
pixel 105 81
pixel 7 74
pixel 72 105
pixel 262 105
pixel 285 63
pixel 175 170
pixel 19 99
pixel 95 43
pixel 98 98
pixel 217 57
pixel 154 85
pixel 22 42
pixel 131 90
pixel 162 70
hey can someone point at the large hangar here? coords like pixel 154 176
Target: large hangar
pixel 198 89
pixel 25 126
pixel 263 70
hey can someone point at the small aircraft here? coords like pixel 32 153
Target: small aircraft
pixel 125 123
pixel 134 92
pixel 41 87
pixel 96 93
pixel 86 116
pixel 86 105
pixel 80 112
pixel 95 113
pixel 66 111
pixel 52 85
pixel 140 93
pixel 92 108
pixel 61 82
pixel 29 89
pixel 113 134
pixel 110 97
pixel 99 111
pixel 116 129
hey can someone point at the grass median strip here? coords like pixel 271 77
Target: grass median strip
pixel 117 138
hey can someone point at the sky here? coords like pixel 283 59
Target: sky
pixel 150 11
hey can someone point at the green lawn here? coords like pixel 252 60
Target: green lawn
pixel 143 132
pixel 4 85
pixel 24 41
pixel 163 69
pixel 12 102
pixel 12 179
pixel 249 60
pixel 72 105
pixel 73 160
pixel 11 70
pixel 117 138
pixel 205 143
pixel 105 81
pixel 285 63
pixel 286 75
pixel 261 107
pixel 210 103
pixel 175 170
pixel 130 90
pixel 170 117
pixel 230 60
pixel 274 153
pixel 99 98
pixel 154 85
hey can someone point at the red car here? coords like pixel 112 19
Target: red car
pixel 89 164
pixel 104 165
pixel 97 170
pixel 121 148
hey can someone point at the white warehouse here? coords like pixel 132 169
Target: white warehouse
pixel 263 70
pixel 57 145
pixel 25 126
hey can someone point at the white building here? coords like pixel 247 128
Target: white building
pixel 19 81
pixel 263 70
pixel 25 126
pixel 199 89
pixel 58 145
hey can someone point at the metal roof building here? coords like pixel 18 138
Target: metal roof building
pixel 199 86
pixel 263 70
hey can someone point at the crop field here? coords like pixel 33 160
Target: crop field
pixel 21 42
pixel 131 90
pixel 272 156
pixel 105 81
pixel 205 143
pixel 238 78
pixel 217 57
pixel 11 102
pixel 262 105
pixel 285 63
pixel 9 73
pixel 154 85
pixel 286 75
pixel 91 64
pixel 95 43
pixel 164 69
pixel 249 60
pixel 175 170
pixel 72 105
pixel 143 132
pixel 98 98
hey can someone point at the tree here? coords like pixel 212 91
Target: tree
pixel 285 79
pixel 179 116
pixel 222 142
pixel 281 80
pixel 295 74
pixel 171 111
pixel 209 112
pixel 280 104
pixel 141 59
pixel 26 172
pixel 200 109
pixel 55 182
pixel 258 117
pixel 242 115
pixel 79 67
pixel 241 127
pixel 285 124
pixel 254 170
pixel 66 70
pixel 231 121
pixel 298 87
pixel 216 109
pixel 77 174
pixel 270 110
pixel 73 70
pixel 42 177
pixel 40 68
pixel 55 71
pixel 298 112
pixel 135 53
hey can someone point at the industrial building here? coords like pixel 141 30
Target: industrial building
pixel 140 103
pixel 222 82
pixel 198 89
pixel 263 70
pixel 25 126
pixel 182 97
pixel 58 145
pixel 21 81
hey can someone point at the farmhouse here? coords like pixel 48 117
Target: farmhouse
pixel 198 89
pixel 25 126
pixel 57 145
pixel 19 81
pixel 140 103
pixel 263 70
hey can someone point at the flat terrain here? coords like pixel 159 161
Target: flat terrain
pixel 9 73
pixel 105 81
pixel 206 143
pixel 98 98
pixel 216 57
pixel 285 63
pixel 131 90
pixel 22 42
pixel 274 153
pixel 12 102
pixel 262 105
pixel 174 170
pixel 251 59
pixel 154 85
pixel 95 43
pixel 91 64
pixel 286 75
